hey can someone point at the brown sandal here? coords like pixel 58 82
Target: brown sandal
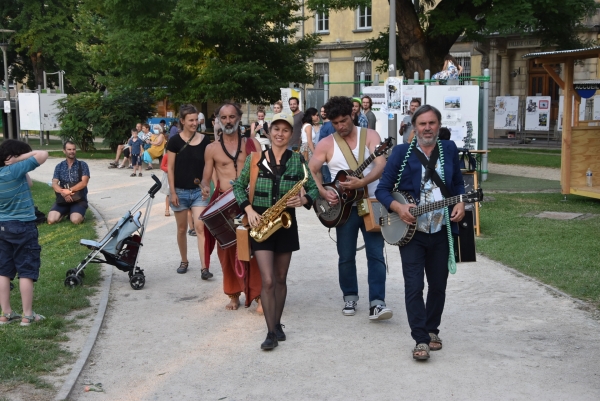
pixel 418 350
pixel 436 343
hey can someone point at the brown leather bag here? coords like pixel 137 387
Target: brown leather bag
pixel 242 232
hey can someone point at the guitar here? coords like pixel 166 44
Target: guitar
pixel 396 232
pixel 337 215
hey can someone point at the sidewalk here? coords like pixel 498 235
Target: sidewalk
pixel 505 336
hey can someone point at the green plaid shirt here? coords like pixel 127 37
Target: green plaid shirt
pixel 265 193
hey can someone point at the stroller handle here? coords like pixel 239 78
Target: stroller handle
pixel 156 187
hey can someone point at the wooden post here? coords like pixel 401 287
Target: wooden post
pixel 565 157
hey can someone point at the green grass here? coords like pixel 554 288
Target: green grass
pixel 526 157
pixel 511 183
pixel 29 352
pixel 562 253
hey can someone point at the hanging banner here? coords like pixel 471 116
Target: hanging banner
pixel 537 113
pixel 506 112
pixel 459 105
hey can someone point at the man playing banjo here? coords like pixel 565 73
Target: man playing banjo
pixel 416 168
pixel 226 156
pixel 339 112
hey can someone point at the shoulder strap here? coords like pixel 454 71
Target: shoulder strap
pixel 79 169
pixel 362 143
pixel 187 143
pixel 253 173
pixel 430 170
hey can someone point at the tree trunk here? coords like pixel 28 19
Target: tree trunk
pixel 38 68
pixel 419 50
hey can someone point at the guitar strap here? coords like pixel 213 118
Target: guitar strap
pixel 347 152
pixel 430 172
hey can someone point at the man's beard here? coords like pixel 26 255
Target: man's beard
pixel 428 142
pixel 230 129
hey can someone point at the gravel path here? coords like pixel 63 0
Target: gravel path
pixel 505 336
pixel 544 173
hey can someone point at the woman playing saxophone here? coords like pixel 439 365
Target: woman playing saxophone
pixel 281 176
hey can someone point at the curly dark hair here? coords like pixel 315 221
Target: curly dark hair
pixel 338 106
pixel 14 148
pixel 308 115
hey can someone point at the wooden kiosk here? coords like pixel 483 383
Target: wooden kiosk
pixel 581 140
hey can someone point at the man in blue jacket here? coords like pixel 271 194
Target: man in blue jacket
pixel 428 252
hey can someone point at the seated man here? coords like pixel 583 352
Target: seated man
pixel 70 180
pixel 124 148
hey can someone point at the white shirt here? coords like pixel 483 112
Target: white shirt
pixel 314 133
pixel 203 125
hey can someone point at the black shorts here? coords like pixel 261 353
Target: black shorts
pixel 19 250
pixel 283 240
pixel 136 160
pixel 127 152
pixel 75 207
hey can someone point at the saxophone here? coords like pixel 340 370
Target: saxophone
pixel 276 217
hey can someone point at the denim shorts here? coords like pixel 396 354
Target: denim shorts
pixel 19 249
pixel 189 198
pixel 74 207
pixel 136 160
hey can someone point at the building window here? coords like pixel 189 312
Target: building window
pixel 322 20
pixel 320 69
pixel 363 18
pixel 361 66
pixel 464 60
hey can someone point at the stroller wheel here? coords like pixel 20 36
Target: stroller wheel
pixel 73 272
pixel 73 281
pixel 137 281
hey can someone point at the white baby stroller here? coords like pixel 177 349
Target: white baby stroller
pixel 120 247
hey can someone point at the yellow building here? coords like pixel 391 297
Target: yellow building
pixel 340 53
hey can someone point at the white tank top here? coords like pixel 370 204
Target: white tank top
pixel 338 162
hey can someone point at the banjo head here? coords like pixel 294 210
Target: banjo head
pixel 394 230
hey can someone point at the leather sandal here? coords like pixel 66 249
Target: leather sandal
pixel 436 343
pixel 183 266
pixel 418 350
pixel 34 318
pixel 10 317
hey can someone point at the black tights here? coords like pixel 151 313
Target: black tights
pixel 273 270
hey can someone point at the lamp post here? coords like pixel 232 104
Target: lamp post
pixel 4 46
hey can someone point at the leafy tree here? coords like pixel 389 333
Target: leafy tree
pixel 47 37
pixel 88 115
pixel 425 35
pixel 196 50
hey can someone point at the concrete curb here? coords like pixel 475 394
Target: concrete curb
pixel 69 383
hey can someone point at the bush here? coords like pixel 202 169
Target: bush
pixel 88 115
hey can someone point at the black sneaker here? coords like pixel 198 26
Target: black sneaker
pixel 349 308
pixel 205 274
pixel 270 342
pixel 279 332
pixel 380 312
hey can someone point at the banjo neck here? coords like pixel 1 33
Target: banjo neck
pixel 430 207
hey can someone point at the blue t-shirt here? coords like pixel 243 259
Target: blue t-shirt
pixel 137 147
pixel 66 175
pixel 15 196
pixel 326 130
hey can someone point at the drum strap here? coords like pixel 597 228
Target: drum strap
pixel 256 156
pixel 237 153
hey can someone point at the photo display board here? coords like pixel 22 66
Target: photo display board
pixel 506 112
pixel 537 113
pixel 561 110
pixel 393 95
pixel 29 111
pixel 49 109
pixel 410 92
pixel 459 106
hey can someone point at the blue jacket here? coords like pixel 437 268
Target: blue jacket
pixel 411 176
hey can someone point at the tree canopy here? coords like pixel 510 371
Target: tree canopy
pixel 426 34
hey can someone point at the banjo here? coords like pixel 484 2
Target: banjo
pixel 396 232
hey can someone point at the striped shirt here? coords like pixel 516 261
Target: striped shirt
pixel 15 196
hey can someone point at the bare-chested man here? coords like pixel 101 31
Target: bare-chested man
pixel 226 156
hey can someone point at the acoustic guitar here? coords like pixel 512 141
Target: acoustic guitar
pixel 336 215
pixel 396 232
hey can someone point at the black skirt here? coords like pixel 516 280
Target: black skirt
pixel 283 240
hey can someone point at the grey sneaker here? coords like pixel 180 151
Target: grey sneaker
pixel 349 308
pixel 205 274
pixel 380 312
